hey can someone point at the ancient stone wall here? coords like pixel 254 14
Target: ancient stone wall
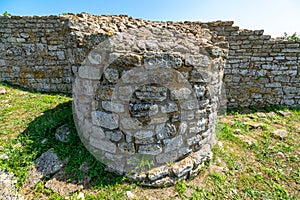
pixel 260 70
pixel 39 53
pixel 33 53
pixel 146 97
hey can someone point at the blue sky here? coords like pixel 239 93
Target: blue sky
pixel 274 16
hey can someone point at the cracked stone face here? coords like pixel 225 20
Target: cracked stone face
pixel 146 113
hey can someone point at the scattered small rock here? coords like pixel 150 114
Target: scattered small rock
pixel 80 196
pixel 2 91
pixel 215 168
pixel 220 144
pixel 62 133
pixel 62 188
pixel 247 139
pixel 4 156
pixel 281 133
pixel 226 121
pixel 272 114
pixel 261 114
pixel 8 190
pixel 280 155
pixel 44 141
pixel 254 124
pixel 130 195
pixel 236 131
pixel 47 164
pixel 246 119
pixel 8 105
pixel 284 113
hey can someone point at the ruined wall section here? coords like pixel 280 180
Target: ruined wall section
pixel 33 53
pixel 39 53
pixel 260 70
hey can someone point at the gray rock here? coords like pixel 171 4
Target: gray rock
pixel 173 144
pixel 150 149
pixel 183 167
pixel 130 124
pixel 105 120
pixel 114 135
pixel 126 147
pixel 197 126
pixel 47 164
pixel 143 134
pixel 165 158
pixel 169 107
pixel 166 181
pixel 199 90
pixel 152 93
pixel 104 145
pixel 62 133
pixel 158 172
pixel 89 72
pixel 112 75
pixel 182 93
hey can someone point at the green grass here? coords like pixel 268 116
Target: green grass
pixel 238 170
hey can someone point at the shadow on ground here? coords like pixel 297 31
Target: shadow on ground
pixel 78 162
pixel 39 151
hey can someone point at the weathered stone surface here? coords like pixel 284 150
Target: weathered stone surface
pixel 105 119
pixel 8 190
pixel 111 106
pixel 158 172
pixel 89 72
pixel 183 167
pixel 197 126
pixel 104 145
pixel 47 164
pixel 131 124
pixel 153 97
pixel 114 135
pixel 126 147
pixel 167 157
pixel 152 93
pixel 112 75
pixel 61 187
pixel 143 134
pixel 173 144
pixel 150 149
pixel 254 124
pixel 284 113
pixel 182 93
pixel 169 107
pixel 281 133
pixel 62 133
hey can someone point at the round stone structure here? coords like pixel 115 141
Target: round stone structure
pixel 145 102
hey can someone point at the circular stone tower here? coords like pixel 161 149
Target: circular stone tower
pixel 145 98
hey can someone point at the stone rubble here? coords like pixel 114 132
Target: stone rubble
pixel 47 164
pixel 8 190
